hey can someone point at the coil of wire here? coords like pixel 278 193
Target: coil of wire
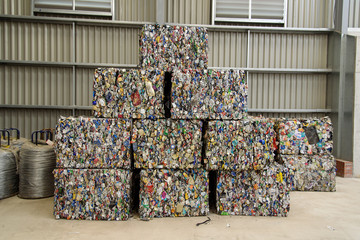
pixel 35 170
pixel 9 179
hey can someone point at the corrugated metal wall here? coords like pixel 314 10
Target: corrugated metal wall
pixel 310 13
pixel 135 10
pixel 354 14
pixel 15 7
pixel 107 44
pixel 188 11
pixel 29 120
pixel 31 85
pixel 279 50
pixel 287 91
pixel 227 49
pixel 36 41
pixel 53 42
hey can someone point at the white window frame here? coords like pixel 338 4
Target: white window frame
pixel 249 19
pixel 74 11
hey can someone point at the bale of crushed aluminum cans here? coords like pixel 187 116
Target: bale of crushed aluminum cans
pixel 305 136
pixel 173 47
pixel 201 94
pixel 93 143
pixel 227 94
pixel 253 193
pixel 92 194
pixel 173 193
pixel 310 172
pixel 240 145
pixel 264 141
pixel 228 145
pixel 188 94
pixel 150 141
pixel 128 93
pixel 166 143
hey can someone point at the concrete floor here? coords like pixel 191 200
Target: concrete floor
pixel 313 215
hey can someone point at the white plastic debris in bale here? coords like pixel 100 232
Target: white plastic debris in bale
pixel 310 172
pixel 173 47
pixel 93 143
pixel 305 136
pixel 253 193
pixel 92 194
pixel 240 145
pixel 173 193
pixel 128 93
pixel 166 143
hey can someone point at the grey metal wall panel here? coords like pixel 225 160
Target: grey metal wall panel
pixel 15 7
pixel 227 49
pixel 35 41
pixel 188 11
pixel 29 120
pixel 285 50
pixel 84 113
pixel 310 13
pixel 289 115
pixel 115 45
pixel 84 86
pixel 287 91
pixel 29 85
pixel 354 13
pixel 135 10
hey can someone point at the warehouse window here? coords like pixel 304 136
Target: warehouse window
pixel 78 7
pixel 251 11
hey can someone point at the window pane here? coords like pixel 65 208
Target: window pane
pixel 93 5
pixel 263 9
pixel 48 4
pixel 232 9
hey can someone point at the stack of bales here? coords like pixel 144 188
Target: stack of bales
pixel 249 181
pixel 305 147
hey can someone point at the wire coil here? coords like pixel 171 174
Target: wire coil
pixel 9 179
pixel 35 170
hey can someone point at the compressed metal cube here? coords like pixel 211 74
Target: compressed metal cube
pixel 253 193
pixel 173 193
pixel 92 194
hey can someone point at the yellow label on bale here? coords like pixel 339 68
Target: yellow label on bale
pixel 279 177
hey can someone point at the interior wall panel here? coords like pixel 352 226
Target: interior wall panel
pixel 35 41
pixel 114 45
pixel 354 13
pixel 29 120
pixel 84 86
pixel 227 49
pixel 30 85
pixel 310 13
pixel 178 11
pixel 135 10
pixel 15 7
pixel 287 91
pixel 289 115
pixel 285 50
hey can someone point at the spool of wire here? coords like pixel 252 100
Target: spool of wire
pixel 37 161
pixel 9 179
